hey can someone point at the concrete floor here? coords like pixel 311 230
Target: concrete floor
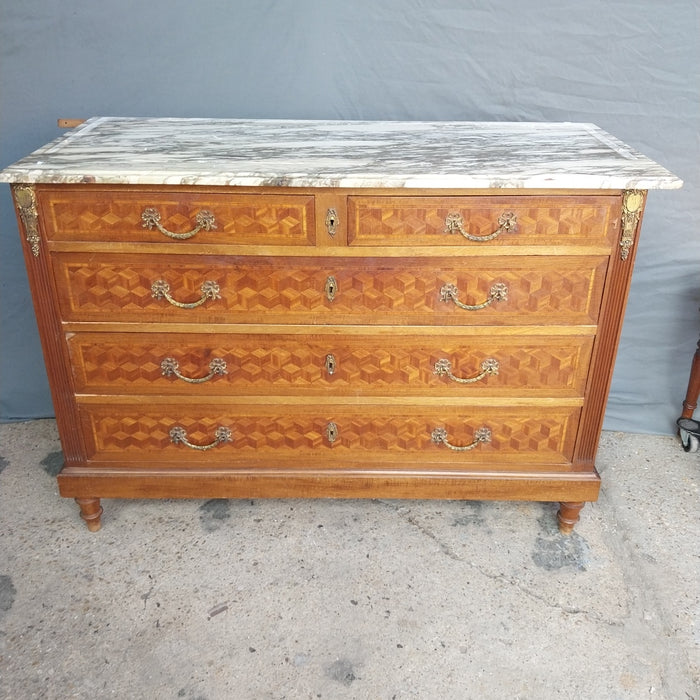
pixel 351 599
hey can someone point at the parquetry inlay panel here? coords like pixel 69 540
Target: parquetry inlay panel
pixel 240 219
pixel 421 221
pixel 277 290
pixel 370 364
pixel 130 433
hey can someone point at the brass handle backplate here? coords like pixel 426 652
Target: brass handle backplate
pixel 178 436
pixel 454 223
pixel 439 437
pixel 443 367
pixel 203 219
pixel 498 292
pixel 160 289
pixel 171 367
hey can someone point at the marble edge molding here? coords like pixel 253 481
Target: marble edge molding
pixel 75 157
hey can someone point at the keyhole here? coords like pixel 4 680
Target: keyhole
pixel 331 288
pixel 332 221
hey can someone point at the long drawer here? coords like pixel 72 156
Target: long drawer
pixel 472 221
pixel 489 290
pixel 194 434
pixel 120 214
pixel 313 362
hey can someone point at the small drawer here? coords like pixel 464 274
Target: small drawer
pixel 253 435
pixel 124 215
pixel 323 364
pixel 485 291
pixel 513 220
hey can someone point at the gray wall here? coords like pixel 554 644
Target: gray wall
pixel 632 67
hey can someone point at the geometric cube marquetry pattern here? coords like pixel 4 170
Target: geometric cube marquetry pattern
pixel 369 364
pixel 285 290
pixel 548 436
pixel 420 221
pixel 241 219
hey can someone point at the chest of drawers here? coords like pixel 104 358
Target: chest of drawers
pixel 307 310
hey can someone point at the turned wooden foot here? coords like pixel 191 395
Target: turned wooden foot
pixel 568 516
pixel 90 512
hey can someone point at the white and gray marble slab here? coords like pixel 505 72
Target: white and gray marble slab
pixel 341 154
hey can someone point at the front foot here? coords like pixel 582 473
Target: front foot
pixel 90 512
pixel 568 516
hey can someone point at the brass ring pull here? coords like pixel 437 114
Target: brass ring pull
pixel 499 292
pixel 161 289
pixel 204 220
pixel 454 223
pixel 170 367
pixel 439 436
pixel 443 367
pixel 178 436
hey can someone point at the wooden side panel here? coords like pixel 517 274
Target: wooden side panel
pixel 53 346
pixel 268 364
pixel 260 435
pixel 115 214
pixel 422 221
pixel 605 349
pixel 561 290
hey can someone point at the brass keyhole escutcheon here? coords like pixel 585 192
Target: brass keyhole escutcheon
pixel 332 222
pixel 330 363
pixel 331 287
pixel 332 432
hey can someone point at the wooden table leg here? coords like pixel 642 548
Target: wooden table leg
pixel 691 397
pixel 90 512
pixel 568 516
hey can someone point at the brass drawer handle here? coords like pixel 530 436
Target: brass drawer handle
pixel 439 436
pixel 443 367
pixel 204 220
pixel 170 367
pixel 454 223
pixel 178 436
pixel 499 292
pixel 161 289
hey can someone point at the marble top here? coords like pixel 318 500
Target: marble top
pixel 340 154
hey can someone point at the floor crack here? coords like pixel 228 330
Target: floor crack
pixel 450 552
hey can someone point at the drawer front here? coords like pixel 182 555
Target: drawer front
pixel 497 290
pixel 251 435
pixel 184 217
pixel 474 221
pixel 318 364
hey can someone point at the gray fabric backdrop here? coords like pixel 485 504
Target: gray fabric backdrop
pixel 632 67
